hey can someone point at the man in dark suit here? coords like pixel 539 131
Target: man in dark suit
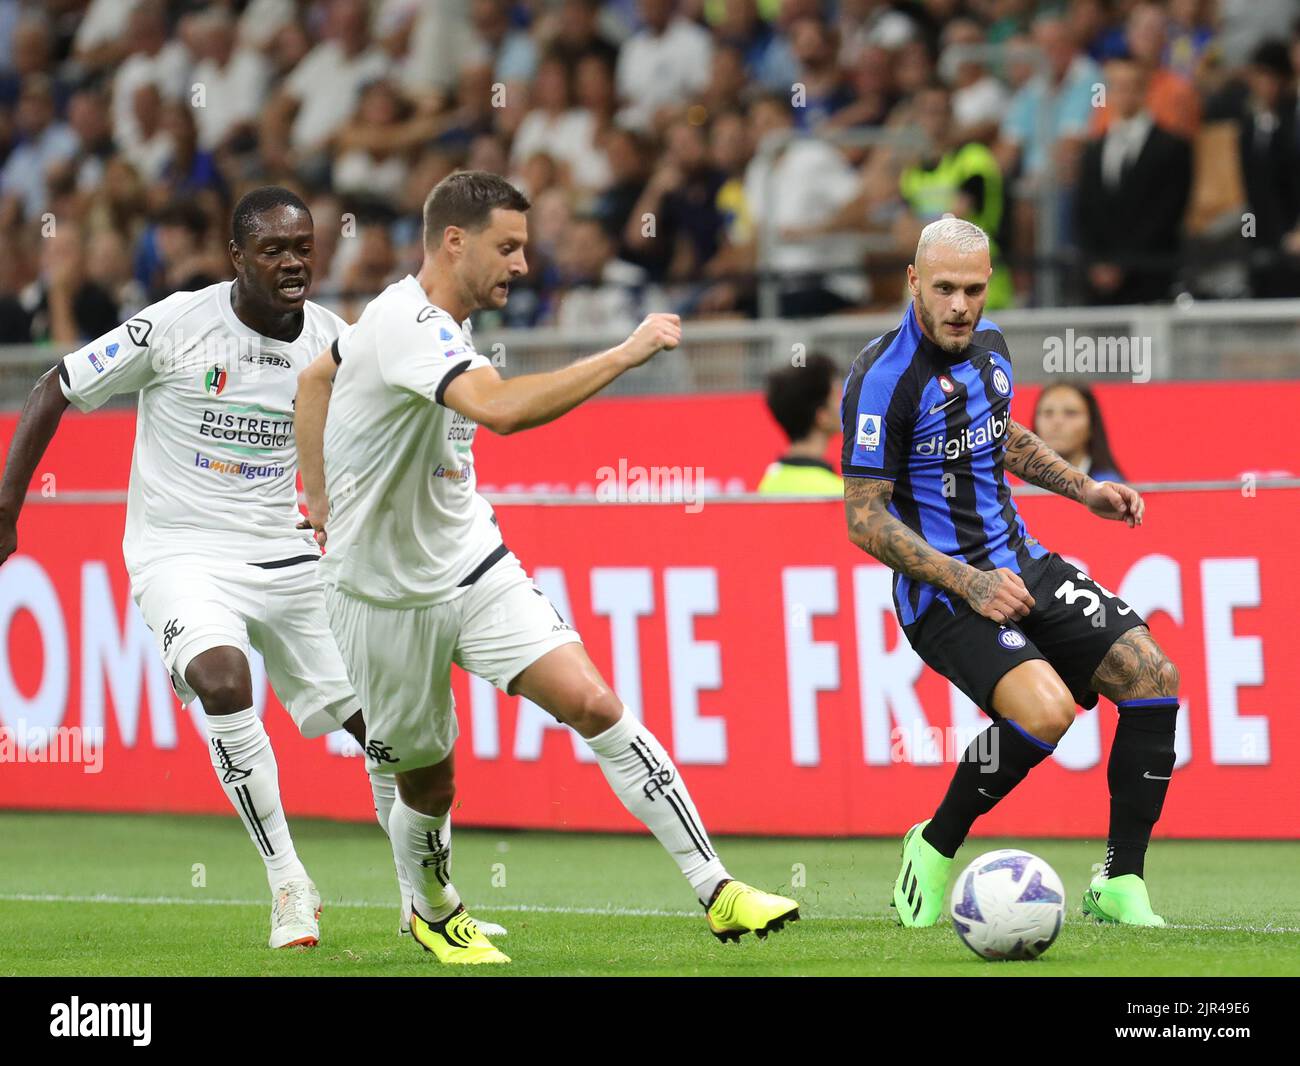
pixel 1134 182
pixel 1269 149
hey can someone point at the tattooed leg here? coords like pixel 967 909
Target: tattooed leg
pixel 1135 668
pixel 1143 683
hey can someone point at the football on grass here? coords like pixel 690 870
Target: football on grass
pixel 1008 904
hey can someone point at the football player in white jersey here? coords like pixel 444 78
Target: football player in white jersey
pixel 213 545
pixel 417 575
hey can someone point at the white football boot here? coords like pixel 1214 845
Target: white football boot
pixel 295 915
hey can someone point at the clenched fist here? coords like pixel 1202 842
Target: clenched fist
pixel 655 332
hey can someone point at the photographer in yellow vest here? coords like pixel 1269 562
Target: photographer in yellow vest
pixel 805 401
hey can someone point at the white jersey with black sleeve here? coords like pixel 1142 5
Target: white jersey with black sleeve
pixel 406 527
pixel 214 469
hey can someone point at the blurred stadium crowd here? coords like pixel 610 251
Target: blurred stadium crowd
pixel 653 137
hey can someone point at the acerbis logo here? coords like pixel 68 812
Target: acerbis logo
pixel 1012 639
pixel 993 429
pixel 214 381
pixel 265 360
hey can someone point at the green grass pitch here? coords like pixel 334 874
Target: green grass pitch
pixel 93 895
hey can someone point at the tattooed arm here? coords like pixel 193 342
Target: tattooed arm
pixel 997 594
pixel 1029 458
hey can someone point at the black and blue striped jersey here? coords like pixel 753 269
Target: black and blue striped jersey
pixel 937 429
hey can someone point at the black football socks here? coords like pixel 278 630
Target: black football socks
pixel 995 762
pixel 1141 764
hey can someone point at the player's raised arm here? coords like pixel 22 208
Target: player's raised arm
pixel 997 594
pixel 315 384
pixel 40 418
pixel 509 405
pixel 1028 457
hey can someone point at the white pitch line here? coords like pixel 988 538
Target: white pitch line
pixel 534 908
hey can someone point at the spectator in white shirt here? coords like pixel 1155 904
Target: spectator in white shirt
pixel 153 147
pixel 373 156
pixel 441 40
pixel 593 89
pixel 230 84
pixel 665 63
pixel 154 60
pixel 979 100
pixel 262 21
pixel 551 125
pixel 101 39
pixel 600 293
pixel 322 93
pixel 791 192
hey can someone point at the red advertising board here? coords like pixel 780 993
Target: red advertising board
pixel 730 438
pixel 754 639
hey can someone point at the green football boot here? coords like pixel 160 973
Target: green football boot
pixel 922 884
pixel 1122 900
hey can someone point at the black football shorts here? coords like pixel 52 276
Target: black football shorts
pixel 1072 625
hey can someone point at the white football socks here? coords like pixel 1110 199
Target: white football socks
pixel 383 788
pixel 422 844
pixel 245 765
pixel 640 772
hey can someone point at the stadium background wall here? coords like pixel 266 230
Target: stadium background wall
pixel 1160 431
pixel 771 667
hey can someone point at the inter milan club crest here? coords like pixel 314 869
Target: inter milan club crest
pixel 1011 639
pixel 215 380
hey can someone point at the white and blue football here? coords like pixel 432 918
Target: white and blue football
pixel 1008 904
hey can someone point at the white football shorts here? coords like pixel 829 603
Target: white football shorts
pixel 195 603
pixel 400 658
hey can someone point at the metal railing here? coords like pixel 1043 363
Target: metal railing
pixel 1198 341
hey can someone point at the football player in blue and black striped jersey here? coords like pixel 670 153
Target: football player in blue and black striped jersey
pixel 927 437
